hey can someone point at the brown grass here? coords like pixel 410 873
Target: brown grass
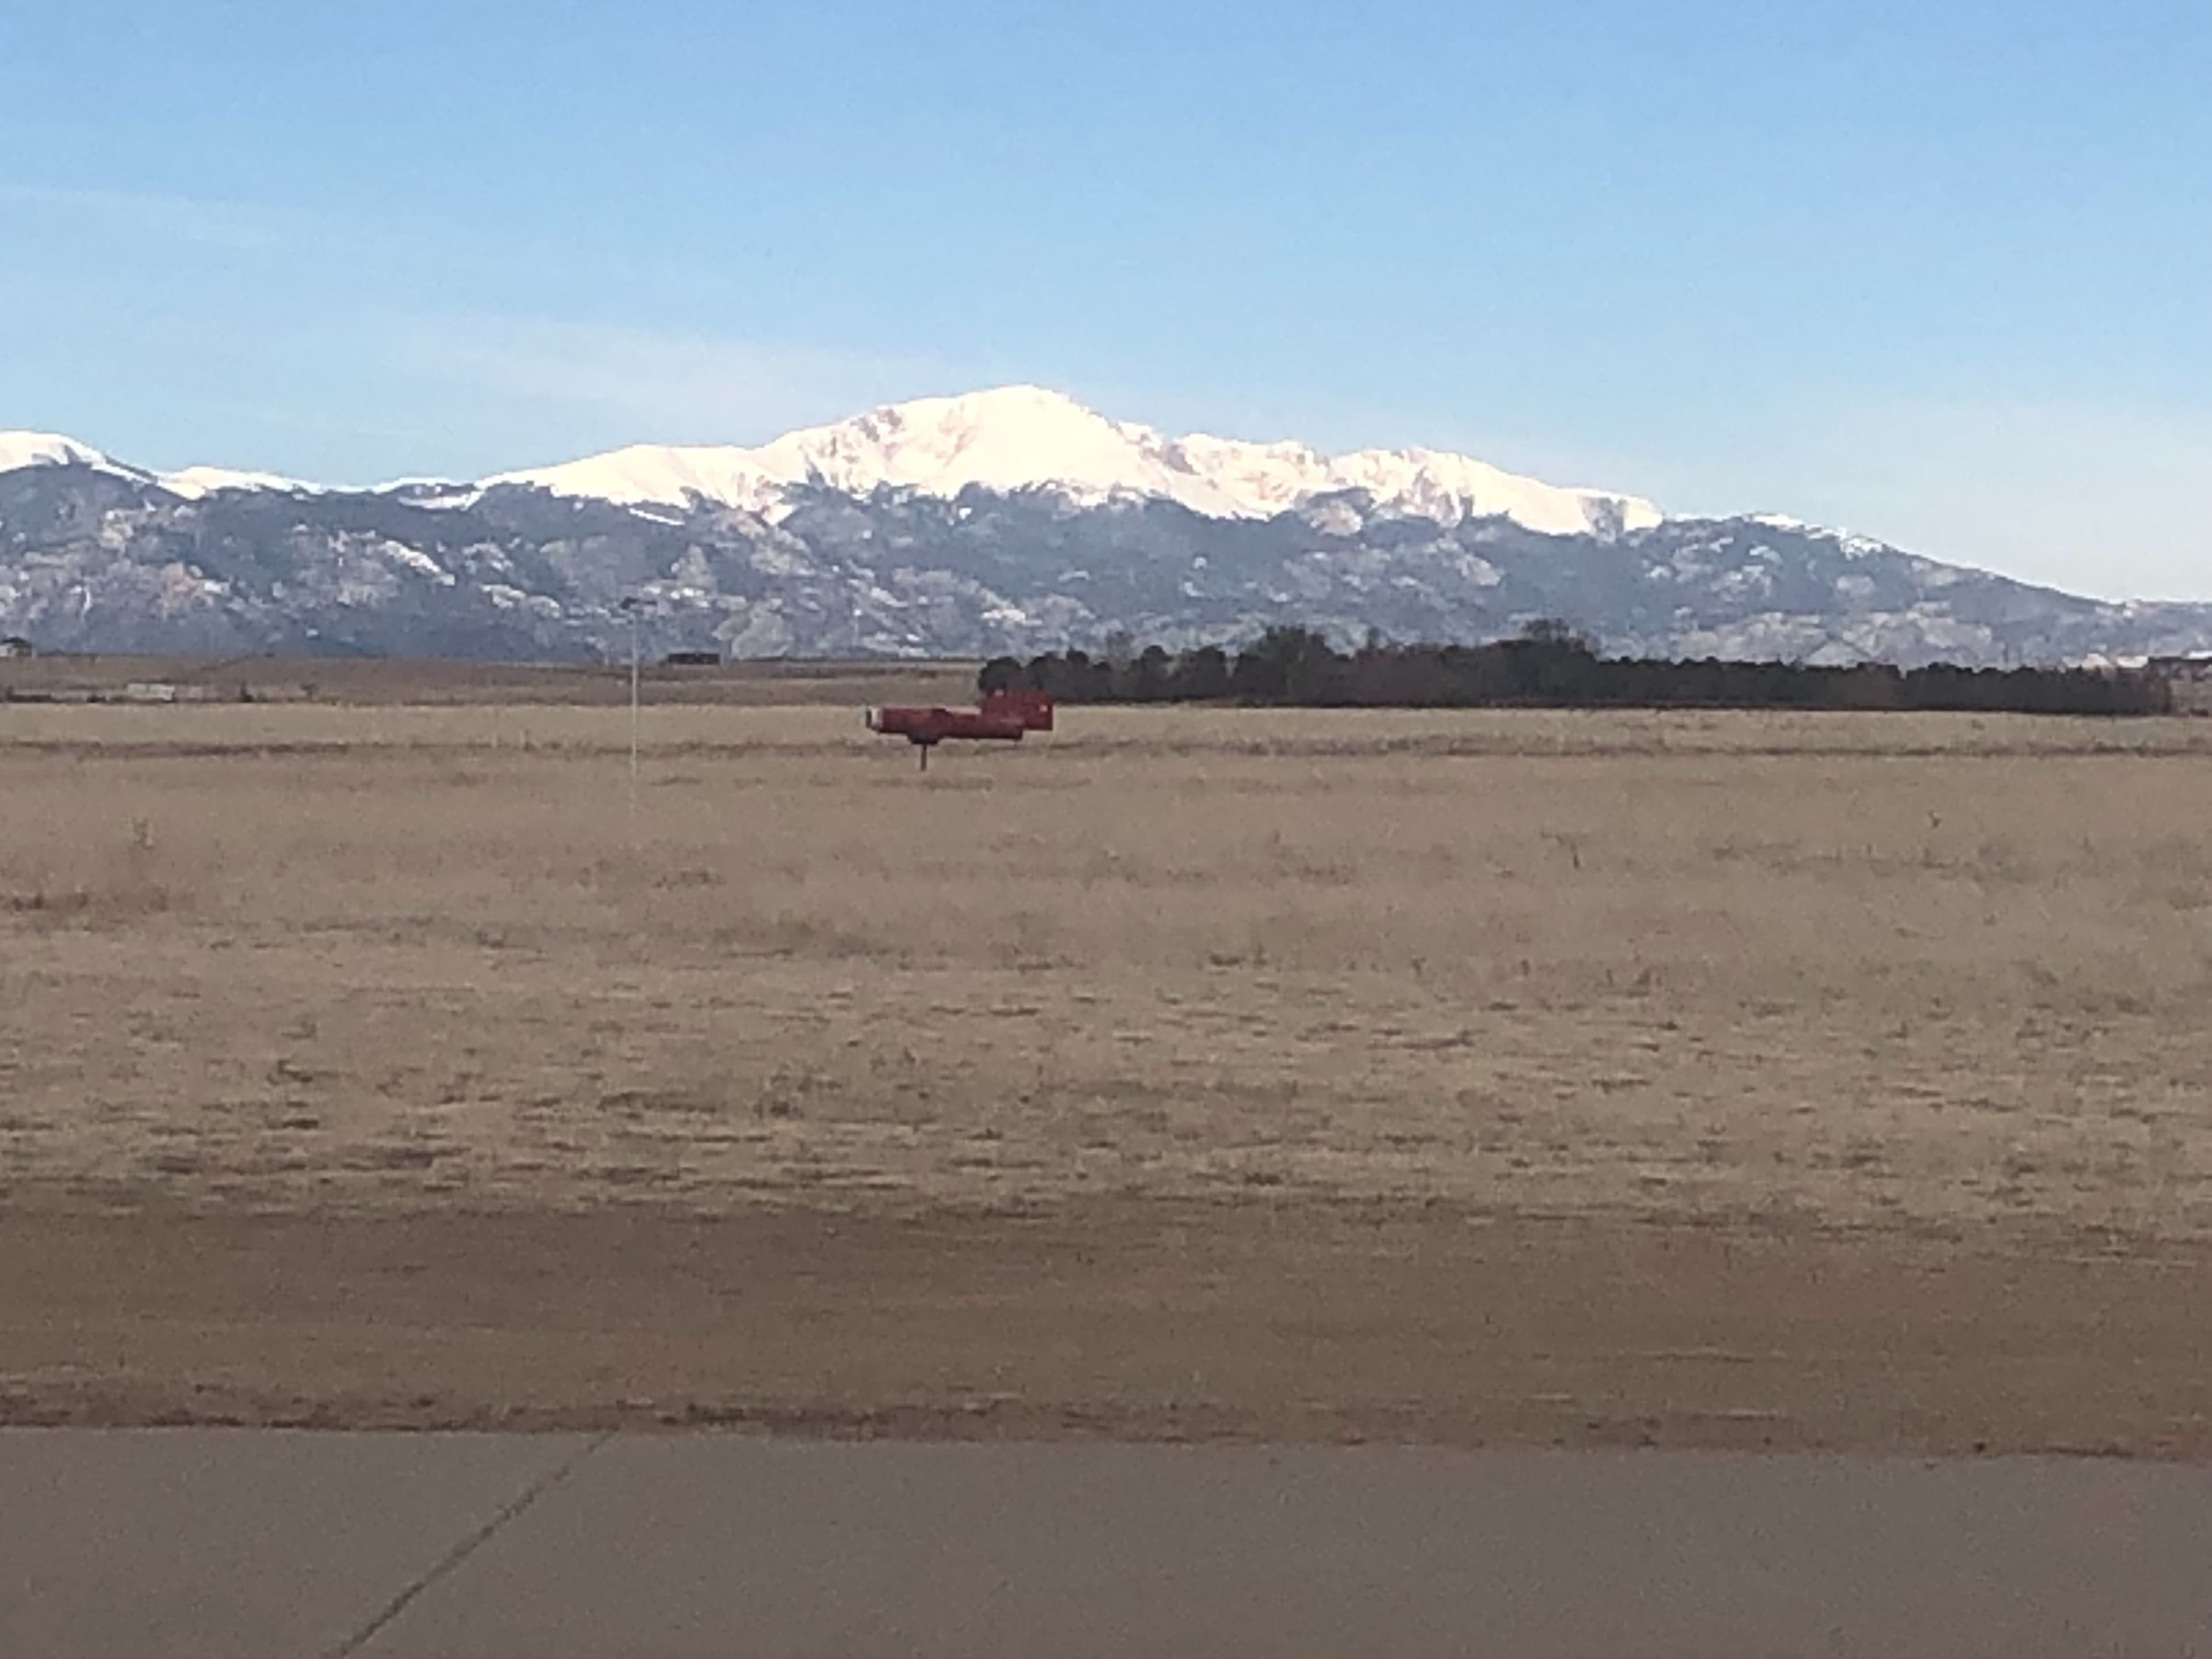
pixel 1890 973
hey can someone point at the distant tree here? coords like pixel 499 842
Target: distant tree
pixel 1549 665
pixel 1151 676
pixel 1202 674
pixel 1289 664
pixel 1553 631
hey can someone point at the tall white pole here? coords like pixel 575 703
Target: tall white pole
pixel 633 708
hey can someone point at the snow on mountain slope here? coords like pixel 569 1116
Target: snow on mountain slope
pixel 23 449
pixel 20 449
pixel 1016 438
pixel 194 482
pixel 1009 440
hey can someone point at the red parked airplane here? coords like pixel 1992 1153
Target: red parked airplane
pixel 1003 717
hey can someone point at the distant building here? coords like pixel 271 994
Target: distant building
pixel 16 646
pixel 162 691
pixel 693 659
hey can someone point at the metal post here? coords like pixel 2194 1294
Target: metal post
pixel 630 604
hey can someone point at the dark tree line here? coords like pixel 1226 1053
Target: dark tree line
pixel 1549 666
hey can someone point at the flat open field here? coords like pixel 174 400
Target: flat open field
pixel 1700 1079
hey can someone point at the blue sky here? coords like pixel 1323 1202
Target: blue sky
pixel 1938 273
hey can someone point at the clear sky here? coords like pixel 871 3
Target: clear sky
pixel 1939 272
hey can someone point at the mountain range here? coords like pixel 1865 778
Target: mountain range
pixel 1013 520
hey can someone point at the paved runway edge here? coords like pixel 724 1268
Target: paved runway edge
pixel 173 1545
pixel 234 1542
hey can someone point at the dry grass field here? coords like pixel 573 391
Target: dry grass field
pixel 1700 1079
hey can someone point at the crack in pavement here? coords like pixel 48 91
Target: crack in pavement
pixel 453 1559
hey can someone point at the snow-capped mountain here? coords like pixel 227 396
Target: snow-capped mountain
pixel 1017 438
pixel 193 481
pixel 1014 520
pixel 19 450
pixel 23 449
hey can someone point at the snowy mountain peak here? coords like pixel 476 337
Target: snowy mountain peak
pixel 1023 437
pixel 20 449
pixel 26 449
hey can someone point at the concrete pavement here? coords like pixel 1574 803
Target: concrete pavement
pixel 190 1543
pixel 139 1544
